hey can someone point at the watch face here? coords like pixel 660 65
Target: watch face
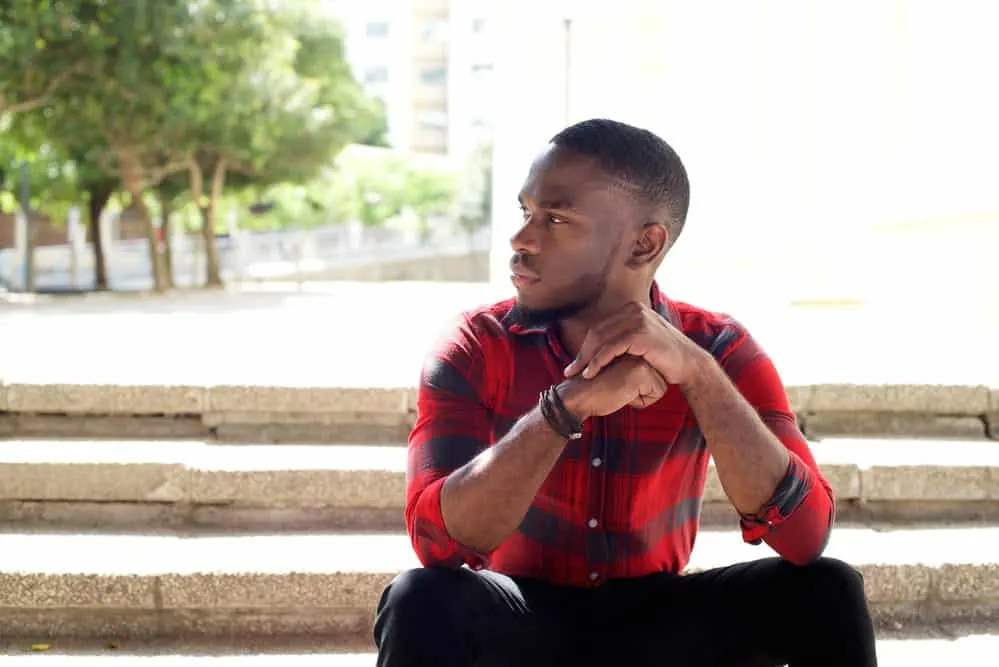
pixel 575 436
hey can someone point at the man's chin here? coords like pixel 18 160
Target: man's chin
pixel 531 313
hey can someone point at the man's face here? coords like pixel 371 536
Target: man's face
pixel 568 251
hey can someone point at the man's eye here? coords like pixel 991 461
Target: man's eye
pixel 555 220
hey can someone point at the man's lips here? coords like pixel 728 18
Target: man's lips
pixel 521 277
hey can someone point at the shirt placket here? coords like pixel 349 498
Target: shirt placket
pixel 597 551
pixel 596 538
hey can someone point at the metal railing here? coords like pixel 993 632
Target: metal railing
pixel 242 255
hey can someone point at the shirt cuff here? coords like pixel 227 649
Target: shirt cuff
pixel 431 539
pixel 791 492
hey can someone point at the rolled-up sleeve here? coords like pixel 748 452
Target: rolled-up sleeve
pixel 452 426
pixel 797 519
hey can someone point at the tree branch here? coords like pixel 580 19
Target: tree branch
pixel 42 98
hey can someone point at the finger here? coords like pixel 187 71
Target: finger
pixel 595 339
pixel 625 343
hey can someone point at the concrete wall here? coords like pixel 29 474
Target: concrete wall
pixel 467 267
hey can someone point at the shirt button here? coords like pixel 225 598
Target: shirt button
pixel 593 523
pixel 596 461
pixel 594 576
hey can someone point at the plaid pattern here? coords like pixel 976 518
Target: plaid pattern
pixel 623 501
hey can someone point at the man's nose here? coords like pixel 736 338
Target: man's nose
pixel 526 239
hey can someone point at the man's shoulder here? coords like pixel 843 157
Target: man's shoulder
pixel 693 317
pixel 716 332
pixel 491 319
pixel 478 327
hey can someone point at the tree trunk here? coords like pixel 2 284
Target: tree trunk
pixel 98 194
pixel 213 269
pixel 167 240
pixel 135 180
pixel 213 272
pixel 160 283
pixel 213 265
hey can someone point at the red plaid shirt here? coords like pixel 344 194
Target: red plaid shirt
pixel 625 499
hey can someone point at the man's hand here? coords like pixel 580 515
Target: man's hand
pixel 625 381
pixel 639 331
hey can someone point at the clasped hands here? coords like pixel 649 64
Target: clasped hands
pixel 629 359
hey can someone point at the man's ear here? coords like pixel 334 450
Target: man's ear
pixel 650 246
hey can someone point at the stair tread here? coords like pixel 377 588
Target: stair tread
pixel 967 651
pixel 866 452
pixel 376 553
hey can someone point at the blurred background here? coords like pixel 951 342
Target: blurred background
pixel 243 222
pixel 842 155
pixel 839 152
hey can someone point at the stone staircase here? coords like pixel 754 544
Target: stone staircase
pixel 228 517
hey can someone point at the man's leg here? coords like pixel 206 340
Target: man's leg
pixel 435 617
pixel 762 613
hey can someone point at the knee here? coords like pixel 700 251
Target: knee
pixel 417 591
pixel 838 583
pixel 415 608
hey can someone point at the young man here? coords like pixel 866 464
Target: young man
pixel 561 447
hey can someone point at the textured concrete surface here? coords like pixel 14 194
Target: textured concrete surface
pixel 45 571
pixel 260 588
pixel 965 651
pixel 941 399
pixel 993 415
pixel 187 487
pixel 102 426
pixel 900 424
pixel 344 476
pixel 853 409
pixel 104 399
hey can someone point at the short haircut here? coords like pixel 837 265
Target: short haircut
pixel 640 159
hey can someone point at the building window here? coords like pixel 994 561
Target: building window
pixel 376 75
pixel 433 31
pixel 432 119
pixel 377 29
pixel 434 75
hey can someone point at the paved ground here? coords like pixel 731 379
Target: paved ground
pixel 970 651
pixel 202 455
pixel 45 553
pixel 375 334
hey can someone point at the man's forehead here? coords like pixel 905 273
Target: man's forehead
pixel 560 174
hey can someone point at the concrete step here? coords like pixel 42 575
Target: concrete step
pixel 199 486
pixel 379 413
pixel 142 588
pixel 966 651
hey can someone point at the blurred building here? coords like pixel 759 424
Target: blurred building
pixel 430 62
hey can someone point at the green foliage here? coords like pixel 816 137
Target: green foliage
pixel 371 185
pixel 149 96
pixel 44 44
pixel 475 205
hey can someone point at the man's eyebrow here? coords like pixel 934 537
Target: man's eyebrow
pixel 557 204
pixel 561 203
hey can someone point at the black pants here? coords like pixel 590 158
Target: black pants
pixel 766 612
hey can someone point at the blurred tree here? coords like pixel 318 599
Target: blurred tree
pixel 475 204
pixel 137 93
pixel 43 45
pixel 293 106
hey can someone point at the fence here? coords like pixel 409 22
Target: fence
pixel 242 255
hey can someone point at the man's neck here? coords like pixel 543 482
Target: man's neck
pixel 572 331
